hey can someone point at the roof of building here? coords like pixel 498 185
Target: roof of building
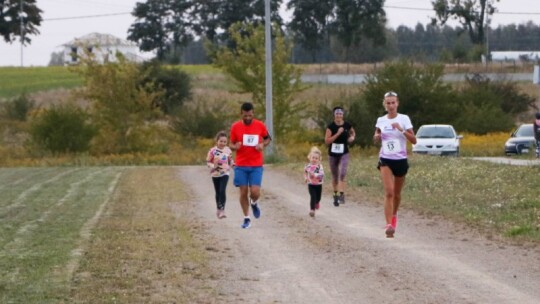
pixel 99 40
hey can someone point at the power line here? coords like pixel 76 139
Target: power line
pixel 86 17
pixel 430 9
pixel 386 6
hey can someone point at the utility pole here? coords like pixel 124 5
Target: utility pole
pixel 488 21
pixel 21 31
pixel 268 51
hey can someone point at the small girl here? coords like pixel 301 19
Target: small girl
pixel 220 161
pixel 314 175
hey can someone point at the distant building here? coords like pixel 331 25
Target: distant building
pixel 102 46
pixel 515 56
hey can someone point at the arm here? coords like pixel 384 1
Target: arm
pixel 352 135
pixel 377 136
pixel 210 159
pixel 329 138
pixel 266 141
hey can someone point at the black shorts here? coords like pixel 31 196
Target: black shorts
pixel 399 167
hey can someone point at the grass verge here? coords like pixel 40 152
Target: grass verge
pixel 501 200
pixel 143 250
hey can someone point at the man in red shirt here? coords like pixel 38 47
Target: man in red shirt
pixel 248 138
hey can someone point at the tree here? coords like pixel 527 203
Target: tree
pixel 176 85
pixel 358 19
pixel 471 14
pixel 165 25
pixel 246 65
pixel 309 23
pixel 10 20
pixel 162 25
pixel 122 108
pixel 217 16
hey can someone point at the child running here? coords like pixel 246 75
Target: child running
pixel 220 161
pixel 314 175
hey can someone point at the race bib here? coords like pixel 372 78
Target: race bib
pixel 391 147
pixel 337 148
pixel 250 140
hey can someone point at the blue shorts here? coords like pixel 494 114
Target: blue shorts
pixel 248 176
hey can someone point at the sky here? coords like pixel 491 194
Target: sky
pixel 64 20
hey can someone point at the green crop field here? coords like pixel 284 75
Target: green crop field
pixel 15 81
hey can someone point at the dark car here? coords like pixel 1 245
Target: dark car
pixel 521 141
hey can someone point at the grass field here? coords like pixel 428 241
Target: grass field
pixel 90 235
pixel 15 81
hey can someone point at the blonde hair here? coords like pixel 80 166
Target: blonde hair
pixel 314 150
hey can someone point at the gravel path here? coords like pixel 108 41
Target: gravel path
pixel 342 255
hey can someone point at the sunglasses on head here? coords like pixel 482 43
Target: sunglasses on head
pixel 390 94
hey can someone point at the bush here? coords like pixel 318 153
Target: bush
pixel 422 95
pixel 202 119
pixel 175 83
pixel 62 129
pixel 18 108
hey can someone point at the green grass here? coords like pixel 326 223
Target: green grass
pixel 15 80
pixel 43 212
pixel 92 235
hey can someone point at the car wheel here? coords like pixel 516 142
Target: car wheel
pixel 518 149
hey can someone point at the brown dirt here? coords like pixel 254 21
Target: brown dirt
pixel 343 256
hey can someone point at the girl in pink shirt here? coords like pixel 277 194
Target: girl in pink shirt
pixel 313 176
pixel 220 161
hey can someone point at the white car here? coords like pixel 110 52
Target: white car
pixel 437 140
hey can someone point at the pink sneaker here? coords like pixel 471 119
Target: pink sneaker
pixel 390 231
pixel 317 206
pixel 222 214
pixel 394 221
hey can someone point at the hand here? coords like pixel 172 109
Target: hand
pixel 259 147
pixel 377 138
pixel 396 125
pixel 340 130
pixel 236 145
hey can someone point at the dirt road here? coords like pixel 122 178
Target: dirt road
pixel 342 255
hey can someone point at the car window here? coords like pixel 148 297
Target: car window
pixel 435 132
pixel 525 131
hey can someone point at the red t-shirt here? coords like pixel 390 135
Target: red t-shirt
pixel 250 136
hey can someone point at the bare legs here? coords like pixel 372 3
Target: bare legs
pixel 247 192
pixel 392 192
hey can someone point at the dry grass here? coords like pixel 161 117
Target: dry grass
pixel 493 67
pixel 143 250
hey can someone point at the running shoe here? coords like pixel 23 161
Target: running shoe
pixel 218 213
pixel 246 224
pixel 221 214
pixel 342 198
pixel 390 231
pixel 336 200
pixel 317 206
pixel 256 210
pixel 394 221
pixel 312 213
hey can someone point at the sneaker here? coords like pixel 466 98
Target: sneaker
pixel 246 224
pixel 256 210
pixel 317 206
pixel 394 221
pixel 221 214
pixel 336 200
pixel 342 198
pixel 390 231
pixel 312 213
pixel 218 213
